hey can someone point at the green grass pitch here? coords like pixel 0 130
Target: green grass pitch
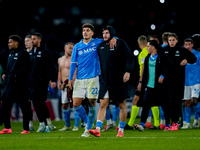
pixel 71 140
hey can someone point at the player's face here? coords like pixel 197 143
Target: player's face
pixel 35 41
pixel 68 49
pixel 172 41
pixel 87 33
pixel 188 45
pixel 12 44
pixel 28 43
pixel 106 35
pixel 150 48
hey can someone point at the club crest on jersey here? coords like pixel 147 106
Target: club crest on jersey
pixel 80 52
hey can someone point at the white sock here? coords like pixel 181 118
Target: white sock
pixel 122 130
pixel 114 123
pixel 30 123
pixel 162 121
pixel 109 122
pixel 149 119
pixel 49 121
pixel 98 128
pixel 42 124
pixel 195 121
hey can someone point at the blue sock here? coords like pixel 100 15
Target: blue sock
pixel 196 117
pixel 197 109
pixel 142 123
pixel 115 113
pixel 150 113
pixel 188 114
pixel 167 125
pixel 81 112
pixel 76 118
pixel 161 112
pixel 91 116
pixel 183 113
pixel 99 124
pixel 108 114
pixel 66 115
pixel 122 124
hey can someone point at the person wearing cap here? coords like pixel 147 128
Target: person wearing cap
pixel 155 73
pixel 116 65
pixel 16 88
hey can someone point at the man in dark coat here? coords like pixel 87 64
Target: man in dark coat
pixel 16 87
pixel 175 87
pixel 116 65
pixel 42 72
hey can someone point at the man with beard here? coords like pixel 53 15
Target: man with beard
pixel 116 65
pixel 42 72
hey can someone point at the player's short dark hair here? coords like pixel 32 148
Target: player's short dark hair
pixel 38 35
pixel 16 38
pixel 88 25
pixel 188 40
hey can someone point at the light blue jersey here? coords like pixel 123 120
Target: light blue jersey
pixel 192 71
pixel 86 58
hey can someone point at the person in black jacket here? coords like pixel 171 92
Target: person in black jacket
pixel 42 72
pixel 156 68
pixel 16 87
pixel 175 87
pixel 116 65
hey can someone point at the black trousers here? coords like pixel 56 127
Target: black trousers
pixel 173 104
pixel 6 110
pixel 41 109
pixel 149 100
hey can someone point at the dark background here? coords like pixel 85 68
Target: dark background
pixel 60 21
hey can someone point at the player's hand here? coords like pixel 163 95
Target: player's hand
pixel 183 62
pixel 139 87
pixel 160 80
pixel 113 43
pixel 126 77
pixel 3 76
pixel 71 83
pixel 59 85
pixel 53 84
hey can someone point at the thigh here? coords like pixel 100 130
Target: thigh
pixel 64 96
pixel 93 88
pixel 195 91
pixel 187 93
pixel 80 89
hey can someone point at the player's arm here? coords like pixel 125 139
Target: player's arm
pixel 73 67
pixel 59 75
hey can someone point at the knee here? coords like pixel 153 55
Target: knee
pixel 187 103
pixel 195 101
pixel 122 105
pixel 64 106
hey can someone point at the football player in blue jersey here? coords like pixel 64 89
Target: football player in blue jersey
pixel 192 84
pixel 85 58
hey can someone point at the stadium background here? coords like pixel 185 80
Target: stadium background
pixel 60 21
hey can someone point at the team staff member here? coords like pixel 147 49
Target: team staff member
pixel 116 65
pixel 16 88
pixel 179 57
pixel 42 72
pixel 155 73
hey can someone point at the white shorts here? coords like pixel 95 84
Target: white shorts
pixel 86 88
pixel 191 91
pixel 106 95
pixel 64 97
